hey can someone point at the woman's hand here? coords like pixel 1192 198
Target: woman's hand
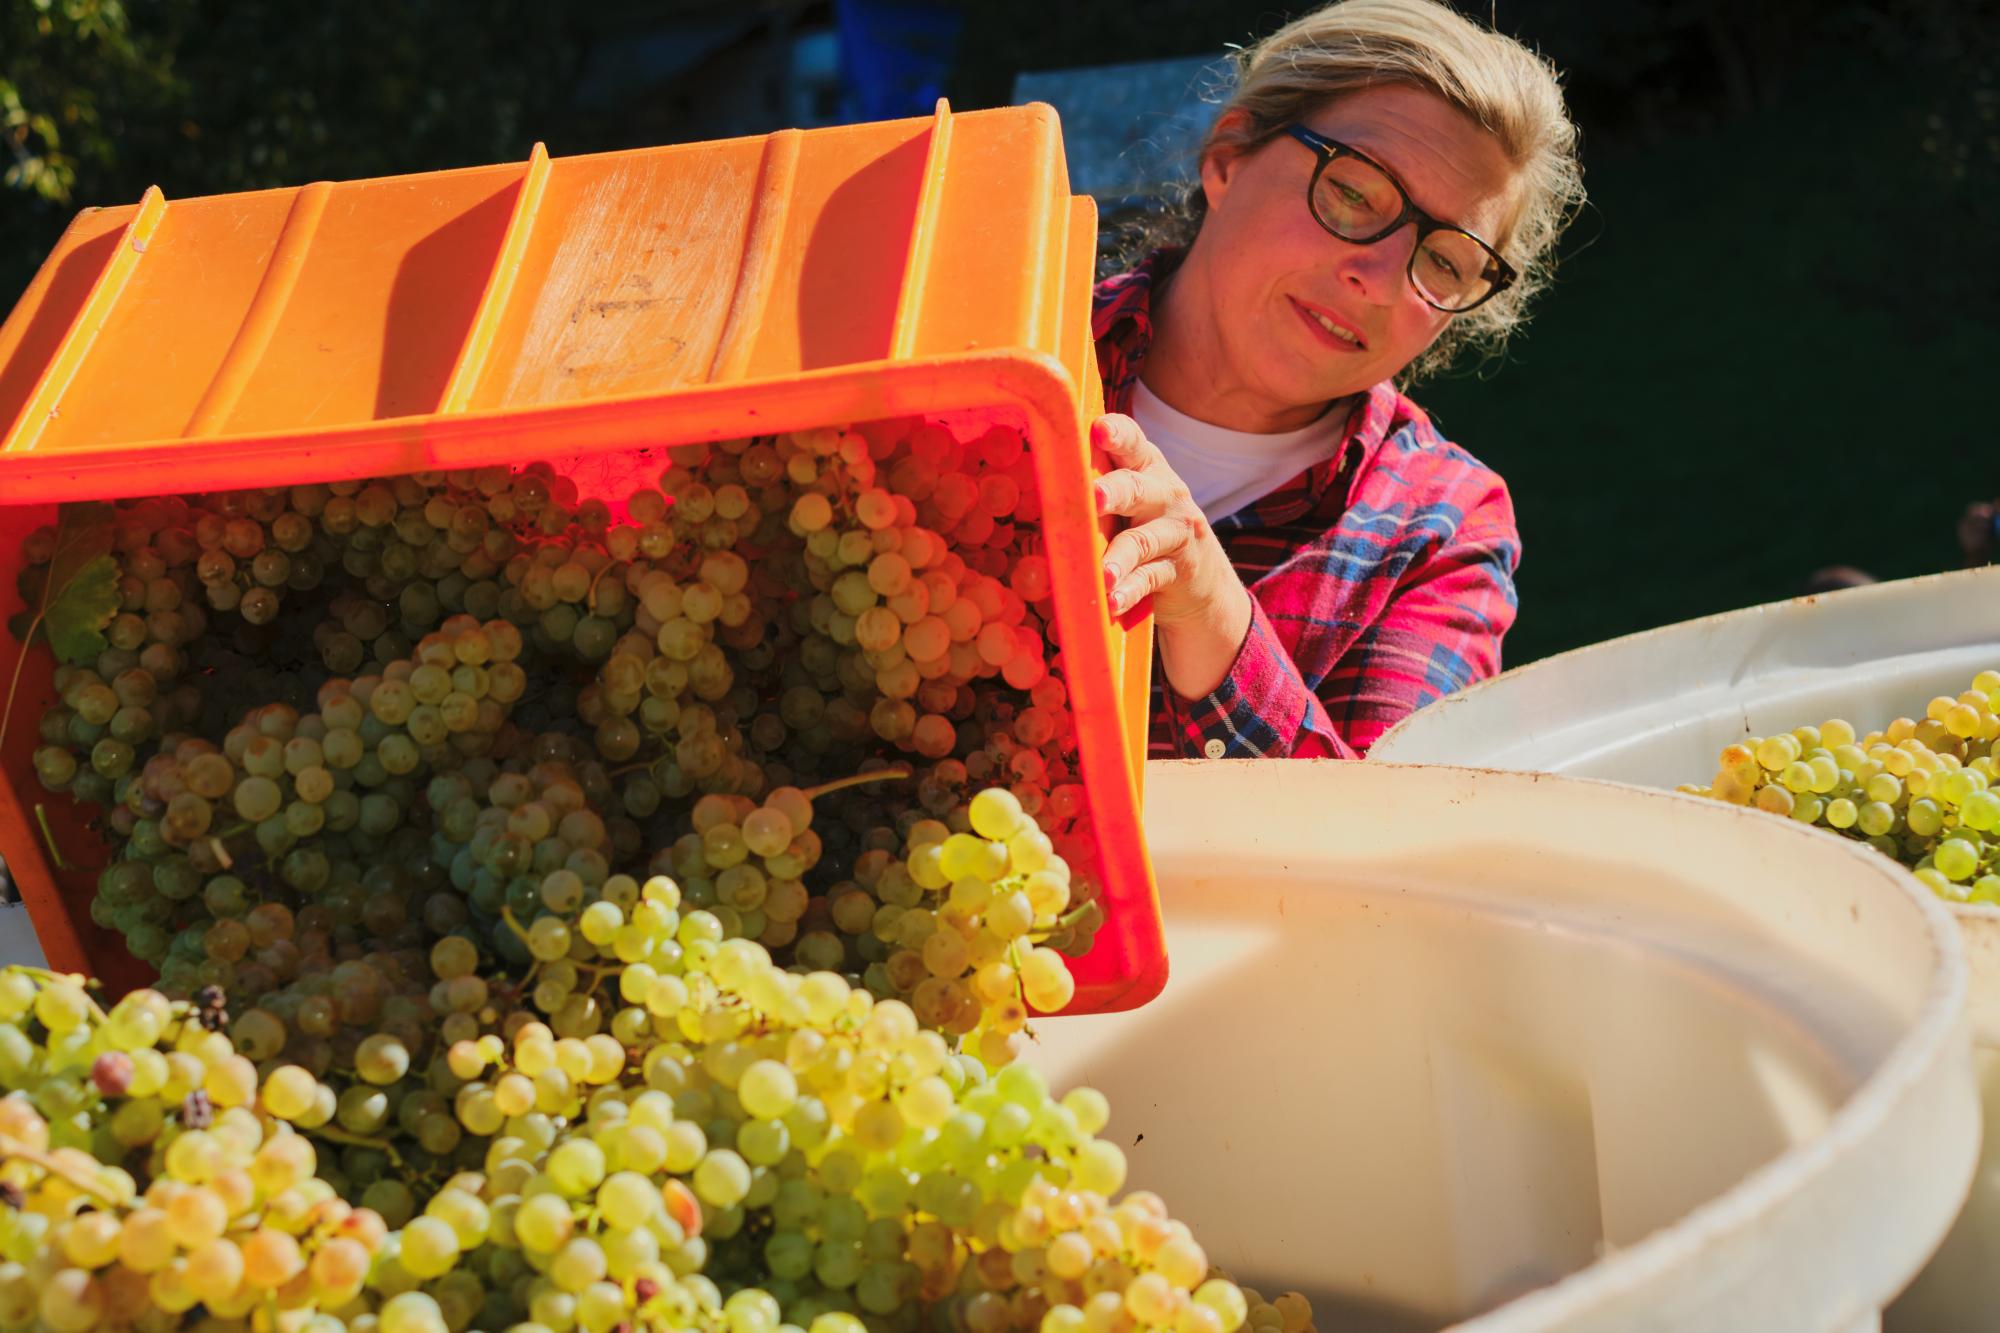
pixel 1167 551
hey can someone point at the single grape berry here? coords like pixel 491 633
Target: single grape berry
pixel 111 1072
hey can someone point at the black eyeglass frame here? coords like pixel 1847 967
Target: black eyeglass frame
pixel 1501 274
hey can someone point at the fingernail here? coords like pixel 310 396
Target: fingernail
pixel 1111 577
pixel 1117 600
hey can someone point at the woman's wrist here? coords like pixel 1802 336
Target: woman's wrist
pixel 1198 650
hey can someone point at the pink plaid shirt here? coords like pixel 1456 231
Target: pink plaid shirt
pixel 1379 580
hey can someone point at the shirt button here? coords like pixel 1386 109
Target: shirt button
pixel 1213 748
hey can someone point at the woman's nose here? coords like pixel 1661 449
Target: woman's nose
pixel 1378 271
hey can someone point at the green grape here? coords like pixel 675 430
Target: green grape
pixel 576 1167
pixel 1956 858
pixel 55 766
pixel 412 1312
pixel 543 1223
pixel 381 1059
pixel 578 1265
pixel 722 1178
pixel 767 1089
pixel 111 757
pixel 1875 818
pixel 429 1247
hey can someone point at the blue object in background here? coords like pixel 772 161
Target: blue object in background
pixel 894 56
pixel 1131 130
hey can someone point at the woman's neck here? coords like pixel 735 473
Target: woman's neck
pixel 1186 367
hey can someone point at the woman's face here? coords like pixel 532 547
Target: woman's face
pixel 1276 277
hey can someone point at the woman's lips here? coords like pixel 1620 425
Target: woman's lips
pixel 1340 337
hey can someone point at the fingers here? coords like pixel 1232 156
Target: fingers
pixel 1136 495
pixel 1159 547
pixel 1120 437
pixel 1142 583
pixel 1145 543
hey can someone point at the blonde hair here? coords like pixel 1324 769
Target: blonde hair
pixel 1509 91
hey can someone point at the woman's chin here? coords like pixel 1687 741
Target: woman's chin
pixel 1317 376
pixel 1319 390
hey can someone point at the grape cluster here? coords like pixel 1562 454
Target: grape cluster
pixel 675 1125
pixel 145 1171
pixel 636 912
pixel 666 1128
pixel 780 612
pixel 1919 790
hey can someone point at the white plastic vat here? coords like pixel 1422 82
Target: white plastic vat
pixel 1656 708
pixel 1445 1045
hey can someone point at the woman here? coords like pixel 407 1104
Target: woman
pixel 1383 190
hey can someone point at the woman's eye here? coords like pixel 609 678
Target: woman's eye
pixel 1441 264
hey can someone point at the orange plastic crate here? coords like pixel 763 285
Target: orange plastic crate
pixel 580 309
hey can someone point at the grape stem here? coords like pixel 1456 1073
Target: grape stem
pixel 1076 914
pixel 62 862
pixel 590 594
pixel 334 1134
pixel 218 842
pixel 12 1148
pixel 14 685
pixel 841 784
pixel 53 978
pixel 1020 988
pixel 636 766
pixel 507 915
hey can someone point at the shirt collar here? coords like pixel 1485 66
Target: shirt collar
pixel 1122 305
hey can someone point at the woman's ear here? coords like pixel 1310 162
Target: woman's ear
pixel 1225 155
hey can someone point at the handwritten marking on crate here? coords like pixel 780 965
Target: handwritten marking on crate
pixel 628 306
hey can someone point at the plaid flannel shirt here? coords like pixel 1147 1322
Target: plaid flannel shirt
pixel 1379 580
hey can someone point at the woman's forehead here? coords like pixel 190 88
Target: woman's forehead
pixel 1453 170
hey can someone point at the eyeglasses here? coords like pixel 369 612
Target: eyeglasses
pixel 1355 198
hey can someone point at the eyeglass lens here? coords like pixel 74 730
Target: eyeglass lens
pixel 1356 201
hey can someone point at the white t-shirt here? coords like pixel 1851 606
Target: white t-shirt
pixel 1227 469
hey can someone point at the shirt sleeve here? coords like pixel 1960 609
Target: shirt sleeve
pixel 1427 629
pixel 1263 709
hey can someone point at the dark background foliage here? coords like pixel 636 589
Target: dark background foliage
pixel 1769 350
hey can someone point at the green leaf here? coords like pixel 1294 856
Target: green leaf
pixel 80 595
pixel 78 598
pixel 84 530
pixel 75 620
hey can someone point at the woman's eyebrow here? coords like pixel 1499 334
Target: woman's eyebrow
pixel 1386 162
pixel 1402 178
